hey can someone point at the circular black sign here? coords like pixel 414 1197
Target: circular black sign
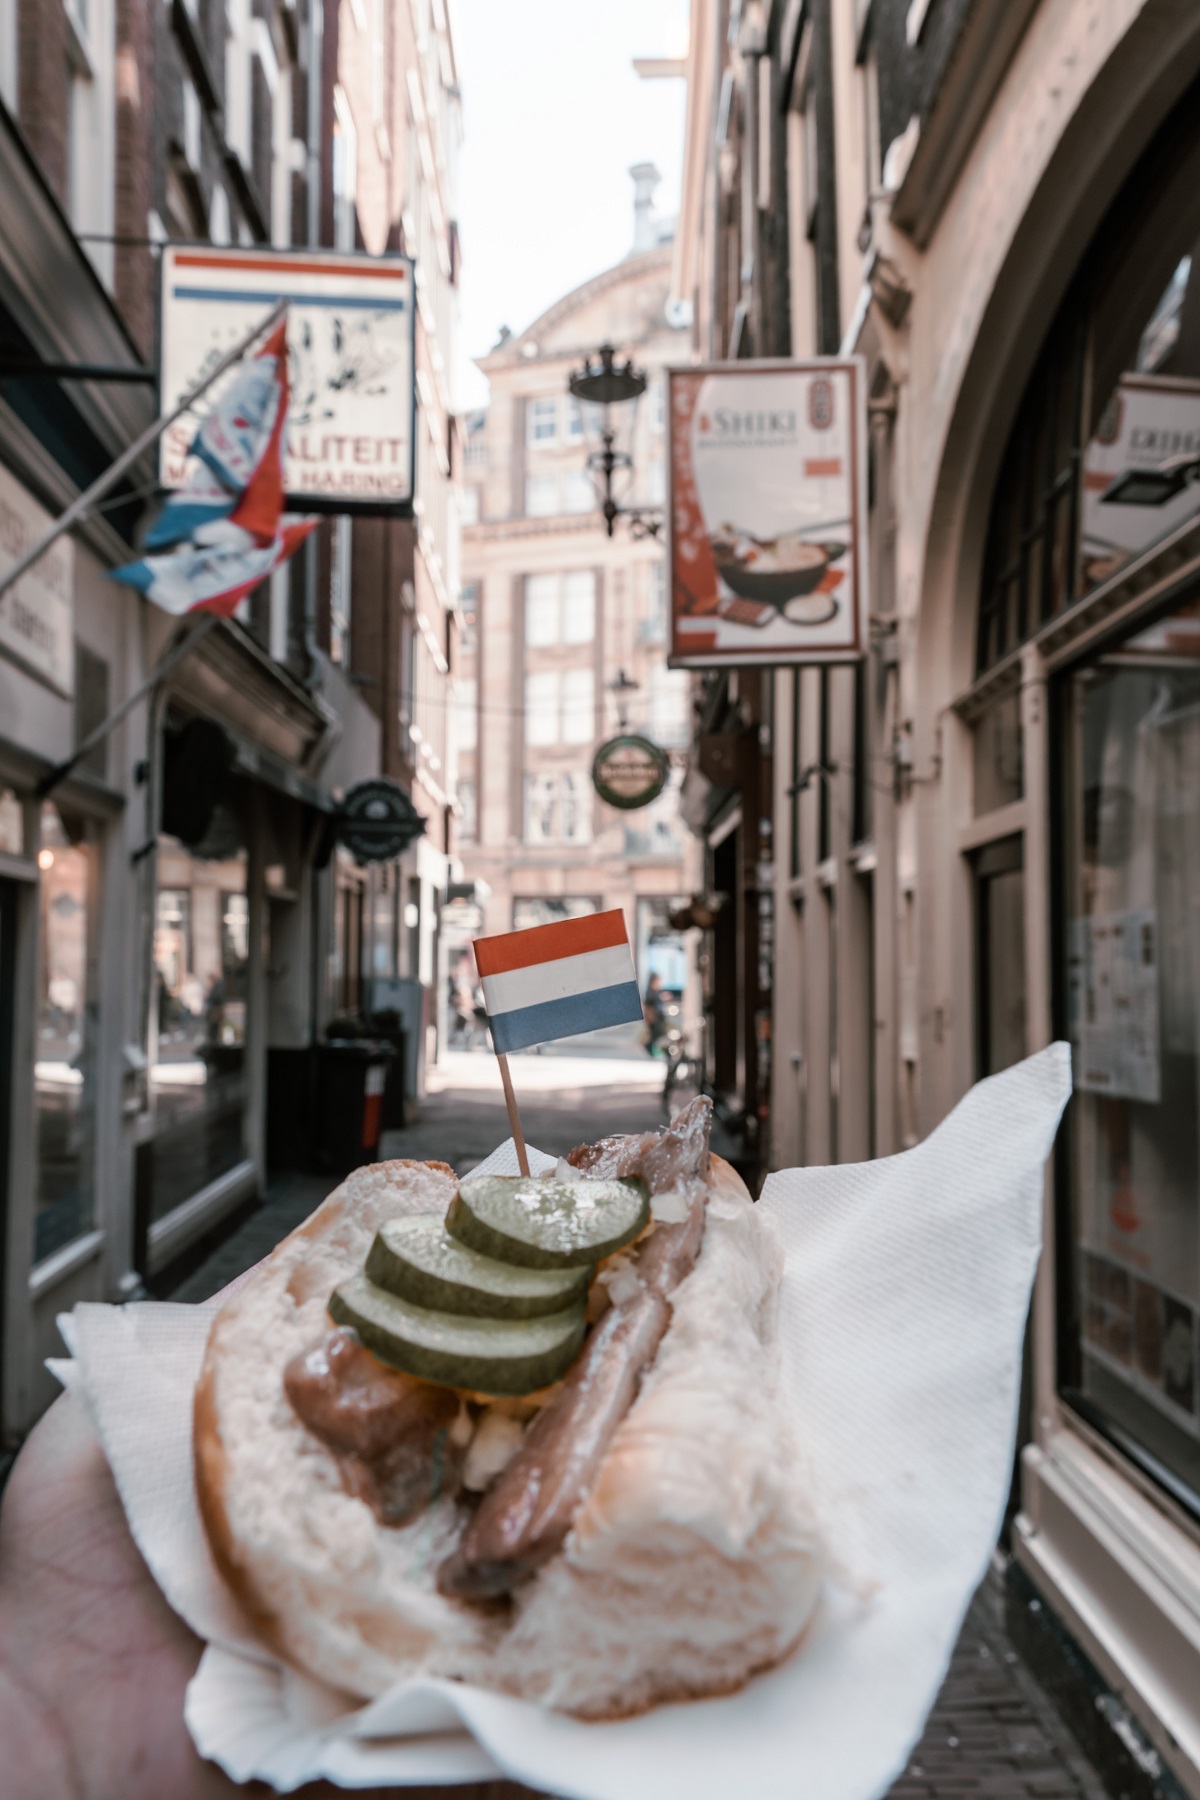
pixel 378 820
pixel 630 771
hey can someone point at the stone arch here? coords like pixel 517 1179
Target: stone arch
pixel 1132 93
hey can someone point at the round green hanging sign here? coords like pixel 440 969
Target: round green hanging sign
pixel 629 771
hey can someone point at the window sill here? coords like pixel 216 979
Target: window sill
pixel 1125 1579
pixel 55 1269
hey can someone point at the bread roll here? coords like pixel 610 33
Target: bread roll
pixel 693 1562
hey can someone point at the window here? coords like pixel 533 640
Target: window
pixel 64 1075
pixel 542 610
pixel 560 708
pixel 12 823
pixel 578 706
pixel 468 824
pixel 345 173
pixel 654 621
pixel 574 426
pixel 578 607
pixel 467 714
pixel 339 592
pixel 543 421
pixel 201 962
pixel 541 496
pixel 8 54
pixel 997 747
pixel 999 880
pixel 468 613
pixel 557 808
pixel 541 792
pixel 560 609
pixel 655 481
pixel 1091 476
pixel 468 505
pixel 91 109
pixel 1132 940
pixel 579 496
pixel 670 707
pixel 541 709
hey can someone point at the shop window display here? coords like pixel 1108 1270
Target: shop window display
pixel 1102 467
pixel 197 1079
pixel 65 1062
pixel 1133 948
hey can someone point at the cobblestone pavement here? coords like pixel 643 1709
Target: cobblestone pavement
pixel 994 1734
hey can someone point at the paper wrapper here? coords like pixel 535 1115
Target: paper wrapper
pixel 901 1322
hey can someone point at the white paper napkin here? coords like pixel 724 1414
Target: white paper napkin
pixel 901 1319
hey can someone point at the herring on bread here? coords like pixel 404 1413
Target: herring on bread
pixel 636 1534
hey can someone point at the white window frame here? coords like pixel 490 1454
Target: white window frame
pixel 542 410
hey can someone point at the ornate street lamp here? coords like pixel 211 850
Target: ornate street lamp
pixel 599 385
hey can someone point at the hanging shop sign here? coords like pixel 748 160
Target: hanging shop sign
pixel 378 821
pixel 629 771
pixel 767 513
pixel 350 333
pixel 1140 472
pixel 37 615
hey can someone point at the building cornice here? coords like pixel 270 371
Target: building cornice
pixel 631 268
pixel 491 531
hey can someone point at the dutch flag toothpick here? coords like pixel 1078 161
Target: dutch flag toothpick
pixel 552 981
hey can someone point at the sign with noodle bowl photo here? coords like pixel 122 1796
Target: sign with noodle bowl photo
pixel 767 513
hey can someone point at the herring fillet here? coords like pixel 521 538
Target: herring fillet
pixel 525 1518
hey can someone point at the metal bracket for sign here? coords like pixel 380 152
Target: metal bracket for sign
pixel 33 368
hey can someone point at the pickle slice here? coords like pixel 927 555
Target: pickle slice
pixel 548 1224
pixel 417 1259
pixel 493 1356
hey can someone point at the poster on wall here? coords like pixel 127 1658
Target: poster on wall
pixel 767 513
pixel 1113 997
pixel 37 616
pixel 350 333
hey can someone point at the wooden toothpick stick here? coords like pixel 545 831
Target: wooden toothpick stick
pixel 514 1117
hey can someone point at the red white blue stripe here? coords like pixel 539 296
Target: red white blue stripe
pixel 226 529
pixel 553 981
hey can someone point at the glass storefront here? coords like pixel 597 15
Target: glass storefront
pixel 198 1024
pixel 1133 949
pixel 65 1060
pixel 1101 469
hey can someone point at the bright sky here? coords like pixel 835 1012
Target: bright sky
pixel 554 117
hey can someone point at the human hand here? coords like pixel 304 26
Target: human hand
pixel 93 1662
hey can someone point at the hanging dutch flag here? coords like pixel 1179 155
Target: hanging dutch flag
pixel 225 530
pixel 235 479
pixel 552 981
pixel 212 578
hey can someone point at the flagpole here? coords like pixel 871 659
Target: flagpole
pixel 127 458
pixel 514 1117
